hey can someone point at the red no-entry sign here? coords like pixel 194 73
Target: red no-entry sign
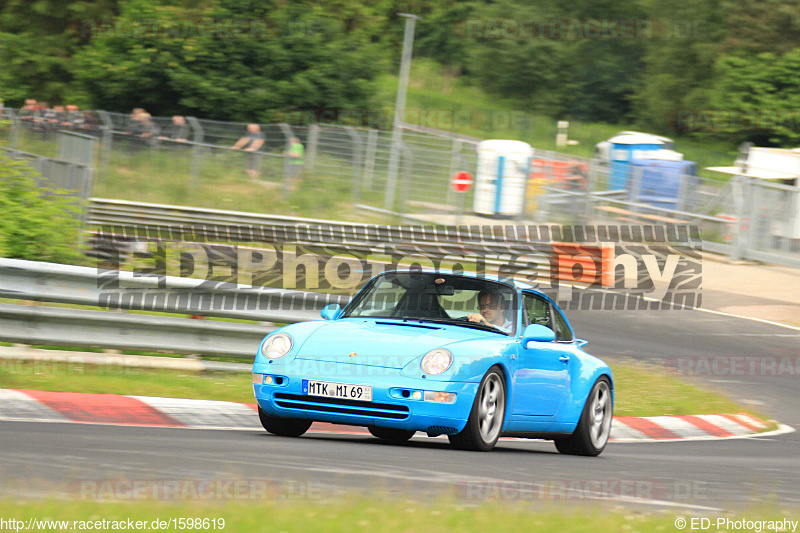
pixel 461 182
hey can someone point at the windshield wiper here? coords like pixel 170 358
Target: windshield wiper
pixel 456 322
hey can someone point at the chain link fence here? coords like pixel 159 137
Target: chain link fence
pixel 354 166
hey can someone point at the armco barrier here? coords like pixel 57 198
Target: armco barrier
pixel 107 329
pixel 49 282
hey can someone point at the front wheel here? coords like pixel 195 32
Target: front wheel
pixel 285 427
pixel 391 434
pixel 487 415
pixel 594 427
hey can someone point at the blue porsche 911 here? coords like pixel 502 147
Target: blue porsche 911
pixel 461 355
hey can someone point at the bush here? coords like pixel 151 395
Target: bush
pixel 36 223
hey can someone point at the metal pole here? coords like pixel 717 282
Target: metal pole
pixel 287 160
pixel 369 163
pixel 105 144
pixel 196 155
pixel 311 151
pixel 400 108
pixel 356 161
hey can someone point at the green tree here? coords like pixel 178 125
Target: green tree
pixel 37 41
pixel 678 64
pixel 757 97
pixel 762 26
pixel 285 57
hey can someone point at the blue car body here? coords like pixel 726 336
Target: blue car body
pixel 547 384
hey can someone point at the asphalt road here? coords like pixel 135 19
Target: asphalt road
pixel 48 458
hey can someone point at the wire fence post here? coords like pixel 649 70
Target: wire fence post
pixel 356 160
pixel 288 134
pixel 456 162
pixel 9 118
pixel 197 153
pixel 107 137
pixel 408 169
pixel 312 143
pixel 369 159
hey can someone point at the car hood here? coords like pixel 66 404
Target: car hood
pixel 385 343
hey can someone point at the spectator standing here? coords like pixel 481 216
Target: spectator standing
pixel 74 118
pixel 179 131
pixel 251 142
pixel 27 112
pixel 141 127
pixel 297 155
pixel 42 116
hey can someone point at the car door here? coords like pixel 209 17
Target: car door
pixel 542 373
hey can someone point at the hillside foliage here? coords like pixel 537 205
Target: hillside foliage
pixel 714 68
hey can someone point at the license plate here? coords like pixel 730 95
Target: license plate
pixel 337 390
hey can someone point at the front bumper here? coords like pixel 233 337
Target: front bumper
pixel 393 405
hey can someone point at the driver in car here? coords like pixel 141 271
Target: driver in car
pixel 490 305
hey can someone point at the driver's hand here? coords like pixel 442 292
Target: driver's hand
pixel 476 317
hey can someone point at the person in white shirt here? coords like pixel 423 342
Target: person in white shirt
pixel 490 305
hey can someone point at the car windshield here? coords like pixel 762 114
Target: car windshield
pixel 438 298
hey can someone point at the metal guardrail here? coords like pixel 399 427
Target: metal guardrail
pixel 135 221
pixel 501 235
pixel 106 329
pixel 49 282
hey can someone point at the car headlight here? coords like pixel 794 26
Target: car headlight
pixel 276 346
pixel 436 361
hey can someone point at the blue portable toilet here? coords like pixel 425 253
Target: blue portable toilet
pixel 628 147
pixel 665 184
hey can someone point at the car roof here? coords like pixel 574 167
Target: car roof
pixel 519 285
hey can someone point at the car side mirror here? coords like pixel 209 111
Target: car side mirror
pixel 537 333
pixel 331 312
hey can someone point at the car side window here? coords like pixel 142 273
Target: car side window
pixel 563 334
pixel 537 310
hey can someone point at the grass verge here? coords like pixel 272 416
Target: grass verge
pixel 646 389
pixel 365 514
pixel 76 376
pixel 640 389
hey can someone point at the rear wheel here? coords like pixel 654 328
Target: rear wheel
pixel 486 418
pixel 594 427
pixel 391 434
pixel 285 427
